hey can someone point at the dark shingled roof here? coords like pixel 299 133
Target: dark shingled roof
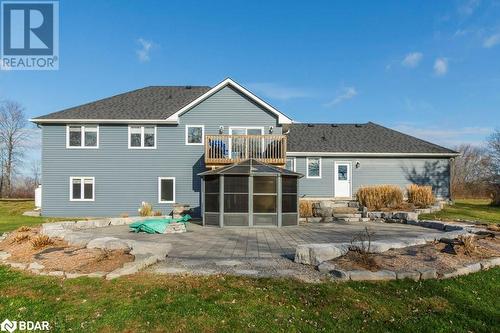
pixel 151 103
pixel 251 167
pixel 356 138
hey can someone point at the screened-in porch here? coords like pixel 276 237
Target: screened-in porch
pixel 250 193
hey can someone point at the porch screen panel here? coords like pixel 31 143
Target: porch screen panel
pixel 236 194
pixel 289 207
pixel 212 194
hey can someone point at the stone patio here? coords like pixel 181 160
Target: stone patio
pixel 263 243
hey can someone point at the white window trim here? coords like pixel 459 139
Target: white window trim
pixel 142 137
pixel 202 135
pixel 294 159
pixel 307 167
pixel 82 131
pixel 82 190
pixel 159 189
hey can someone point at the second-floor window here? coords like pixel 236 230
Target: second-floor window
pixel 194 134
pixel 142 137
pixel 82 136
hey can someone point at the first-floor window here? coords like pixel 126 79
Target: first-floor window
pixel 82 188
pixel 166 189
pixel 142 137
pixel 313 167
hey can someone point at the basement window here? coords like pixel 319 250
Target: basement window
pixel 82 188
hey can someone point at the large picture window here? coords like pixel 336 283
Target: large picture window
pixel 81 188
pixel 166 189
pixel 142 137
pixel 313 167
pixel 82 136
pixel 195 134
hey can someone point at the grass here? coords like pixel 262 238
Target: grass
pixel 476 210
pixel 146 303
pixel 11 216
pixel 150 303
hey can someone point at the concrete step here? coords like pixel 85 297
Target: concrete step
pixel 346 215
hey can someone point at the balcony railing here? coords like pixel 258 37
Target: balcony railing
pixel 227 149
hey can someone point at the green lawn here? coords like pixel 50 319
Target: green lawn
pixel 477 210
pixel 11 214
pixel 148 303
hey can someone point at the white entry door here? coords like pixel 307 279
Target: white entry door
pixel 342 179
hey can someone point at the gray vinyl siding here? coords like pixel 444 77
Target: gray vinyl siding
pixel 376 171
pixel 125 177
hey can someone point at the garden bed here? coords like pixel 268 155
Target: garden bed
pixel 55 254
pixel 433 255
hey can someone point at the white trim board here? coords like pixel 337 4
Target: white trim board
pixel 107 121
pixel 282 118
pixel 347 154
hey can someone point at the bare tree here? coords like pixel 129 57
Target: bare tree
pixel 494 150
pixel 12 133
pixel 472 172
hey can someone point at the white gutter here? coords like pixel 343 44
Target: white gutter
pixel 103 121
pixel 326 154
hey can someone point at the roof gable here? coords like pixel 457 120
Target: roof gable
pixel 282 118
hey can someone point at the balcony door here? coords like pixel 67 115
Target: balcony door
pixel 240 146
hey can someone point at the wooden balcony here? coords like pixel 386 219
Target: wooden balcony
pixel 225 149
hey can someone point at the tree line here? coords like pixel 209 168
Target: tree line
pixel 14 138
pixel 476 172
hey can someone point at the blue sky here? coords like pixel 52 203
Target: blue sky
pixel 428 68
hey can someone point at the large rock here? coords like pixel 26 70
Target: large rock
pixel 109 243
pixel 340 274
pixel 315 254
pixel 140 262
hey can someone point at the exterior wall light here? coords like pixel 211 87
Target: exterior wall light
pixel 271 130
pixel 358 164
pixel 221 129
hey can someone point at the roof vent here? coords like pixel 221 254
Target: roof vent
pixel 358 125
pixel 188 87
pixel 310 125
pixel 335 125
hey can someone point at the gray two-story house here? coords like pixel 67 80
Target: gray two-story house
pixel 105 157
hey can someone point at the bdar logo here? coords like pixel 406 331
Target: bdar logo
pixel 8 326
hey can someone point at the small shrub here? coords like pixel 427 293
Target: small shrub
pixel 41 241
pixel 21 238
pixel 421 196
pixel 124 215
pixel 23 229
pixel 146 209
pixel 380 196
pixel 305 208
pixel 157 213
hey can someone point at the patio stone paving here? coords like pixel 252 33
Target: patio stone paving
pixel 204 243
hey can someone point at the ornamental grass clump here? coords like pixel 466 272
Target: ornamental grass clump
pixel 146 209
pixel 305 208
pixel 421 196
pixel 380 196
pixel 41 241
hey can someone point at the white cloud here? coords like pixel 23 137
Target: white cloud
pixel 273 90
pixel 441 66
pixel 344 94
pixel 143 54
pixel 449 137
pixel 412 59
pixel 468 7
pixel 491 41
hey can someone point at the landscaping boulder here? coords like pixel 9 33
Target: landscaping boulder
pixel 326 267
pixel 109 243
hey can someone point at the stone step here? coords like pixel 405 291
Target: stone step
pixel 346 215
